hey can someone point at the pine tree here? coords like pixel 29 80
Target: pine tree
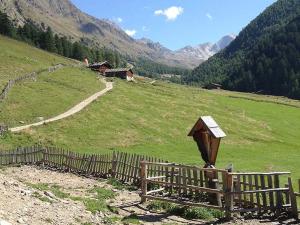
pixel 47 41
pixel 58 45
pixel 77 51
pixel 6 27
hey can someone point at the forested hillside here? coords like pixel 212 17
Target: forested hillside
pixel 273 66
pixel 263 56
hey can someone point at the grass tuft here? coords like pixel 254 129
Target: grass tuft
pixel 131 219
pixel 185 212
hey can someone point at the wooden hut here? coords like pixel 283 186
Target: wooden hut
pixel 123 73
pixel 213 86
pixel 207 134
pixel 100 67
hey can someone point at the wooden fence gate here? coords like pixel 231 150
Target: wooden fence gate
pixel 232 192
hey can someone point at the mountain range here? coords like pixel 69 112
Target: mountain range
pixel 65 19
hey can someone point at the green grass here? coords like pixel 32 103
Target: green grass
pixel 55 189
pixel 120 185
pixel 18 58
pixel 131 219
pixel 41 197
pixel 155 120
pixel 262 132
pixel 185 212
pixel 49 96
pixel 97 203
pixel 102 193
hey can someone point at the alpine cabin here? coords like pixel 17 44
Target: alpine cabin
pixel 101 67
pixel 123 73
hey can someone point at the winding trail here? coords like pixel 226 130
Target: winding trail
pixel 77 108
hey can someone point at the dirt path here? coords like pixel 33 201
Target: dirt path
pixel 72 111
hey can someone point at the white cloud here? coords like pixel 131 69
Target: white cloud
pixel 170 13
pixel 118 20
pixel 145 29
pixel 131 33
pixel 209 16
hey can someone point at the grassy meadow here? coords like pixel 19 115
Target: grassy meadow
pixel 154 119
pixel 50 95
pixel 18 58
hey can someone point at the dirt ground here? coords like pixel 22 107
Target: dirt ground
pixel 22 203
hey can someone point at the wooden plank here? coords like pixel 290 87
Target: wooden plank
pixel 156 178
pixel 264 197
pixel 195 177
pixel 271 194
pixel 260 174
pixel 184 166
pixel 257 194
pixel 250 189
pixel 144 173
pixel 244 188
pixel 135 173
pixel 293 199
pixel 172 175
pixel 266 190
pixel 228 186
pixel 155 191
pixel 189 181
pixel 238 189
pixel 182 186
pixel 184 181
pixel 279 197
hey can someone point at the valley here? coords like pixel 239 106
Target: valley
pixel 152 119
pixel 101 132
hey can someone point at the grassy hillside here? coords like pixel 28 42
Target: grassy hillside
pixel 50 95
pixel 18 59
pixel 263 132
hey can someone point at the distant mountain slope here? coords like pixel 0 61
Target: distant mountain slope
pixel 204 51
pixel 220 67
pixel 64 18
pixel 273 66
pixel 191 54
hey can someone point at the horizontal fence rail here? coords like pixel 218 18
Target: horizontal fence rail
pixel 182 184
pixel 32 76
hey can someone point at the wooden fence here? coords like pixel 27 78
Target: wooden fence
pixel 122 166
pixel 186 185
pixel 219 189
pixel 32 76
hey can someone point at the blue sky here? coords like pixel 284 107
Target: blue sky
pixel 177 23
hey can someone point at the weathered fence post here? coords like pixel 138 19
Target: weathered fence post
pixel 228 188
pixel 114 165
pixel 143 181
pixel 293 199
